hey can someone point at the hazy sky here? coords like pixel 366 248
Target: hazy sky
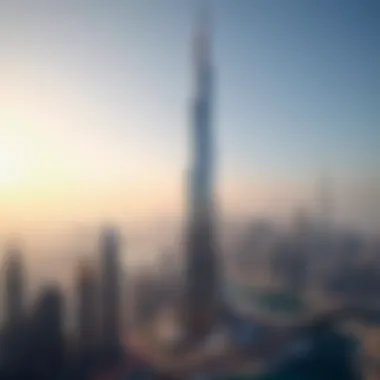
pixel 95 96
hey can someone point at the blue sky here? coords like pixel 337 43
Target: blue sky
pixel 104 88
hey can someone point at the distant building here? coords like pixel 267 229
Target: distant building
pixel 301 253
pixel 168 278
pixel 87 307
pixel 350 250
pixel 280 259
pixel 14 287
pixel 110 288
pixel 145 296
pixel 256 251
pixel 14 331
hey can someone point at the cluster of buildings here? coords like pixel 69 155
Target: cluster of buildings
pixel 35 340
pixel 306 257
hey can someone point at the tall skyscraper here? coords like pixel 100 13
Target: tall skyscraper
pixel 15 287
pixel 201 297
pixel 110 288
pixel 87 312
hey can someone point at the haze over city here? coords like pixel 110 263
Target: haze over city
pixel 189 189
pixel 94 112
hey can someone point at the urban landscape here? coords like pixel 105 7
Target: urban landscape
pixel 261 298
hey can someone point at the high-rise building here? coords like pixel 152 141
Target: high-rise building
pixel 201 289
pixel 47 343
pixel 110 288
pixel 14 287
pixel 87 307
pixel 15 332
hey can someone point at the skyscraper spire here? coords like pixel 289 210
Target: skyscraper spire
pixel 201 180
pixel 203 35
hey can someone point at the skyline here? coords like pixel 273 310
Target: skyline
pixel 95 103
